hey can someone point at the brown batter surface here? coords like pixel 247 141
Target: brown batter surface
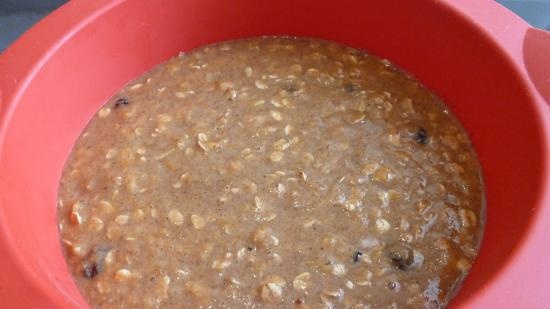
pixel 272 173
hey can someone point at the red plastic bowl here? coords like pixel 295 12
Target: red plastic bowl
pixel 486 63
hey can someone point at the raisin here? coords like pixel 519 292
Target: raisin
pixel 394 286
pixel 356 256
pixel 400 256
pixel 421 136
pixel 290 88
pixel 121 102
pixel 93 264
pixel 90 270
pixel 298 301
pixel 349 88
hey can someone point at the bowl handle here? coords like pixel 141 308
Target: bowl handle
pixel 527 47
pixel 20 62
pixel 536 58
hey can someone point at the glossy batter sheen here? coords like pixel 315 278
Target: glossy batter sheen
pixel 271 173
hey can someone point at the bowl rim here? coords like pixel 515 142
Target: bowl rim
pixel 50 34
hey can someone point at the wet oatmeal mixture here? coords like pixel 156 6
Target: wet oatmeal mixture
pixel 272 173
